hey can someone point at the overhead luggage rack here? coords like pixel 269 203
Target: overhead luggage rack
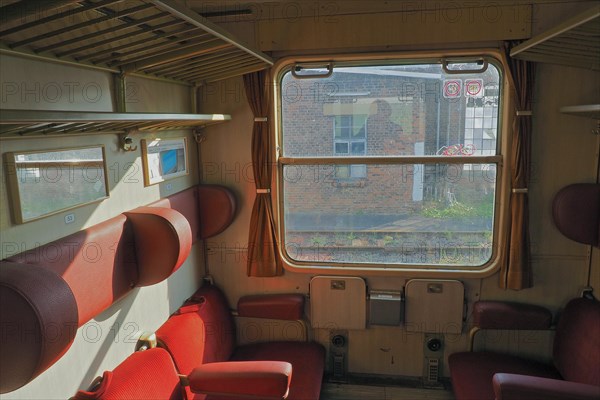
pixel 575 42
pixel 587 110
pixel 156 37
pixel 28 122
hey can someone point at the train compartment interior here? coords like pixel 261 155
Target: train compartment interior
pixel 331 200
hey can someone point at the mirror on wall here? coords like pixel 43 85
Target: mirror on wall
pixel 46 182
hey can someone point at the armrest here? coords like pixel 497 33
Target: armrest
pixel 273 306
pixel 263 380
pixel 502 315
pixel 517 387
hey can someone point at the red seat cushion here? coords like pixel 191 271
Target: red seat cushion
pixel 146 374
pixel 472 373
pixel 307 359
pixel 202 331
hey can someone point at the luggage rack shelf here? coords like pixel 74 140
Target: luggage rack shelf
pixel 575 42
pixel 161 38
pixel 34 122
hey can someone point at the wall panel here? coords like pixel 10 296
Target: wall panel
pixel 110 337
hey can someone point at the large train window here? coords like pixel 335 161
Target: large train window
pixel 390 165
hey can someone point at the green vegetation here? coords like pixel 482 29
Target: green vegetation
pixel 387 240
pixel 458 210
pixel 318 240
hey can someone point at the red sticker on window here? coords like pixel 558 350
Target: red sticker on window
pixel 452 88
pixel 474 88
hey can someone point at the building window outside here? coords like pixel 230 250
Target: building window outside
pixel 481 122
pixel 350 139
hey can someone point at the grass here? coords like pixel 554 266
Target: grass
pixel 458 210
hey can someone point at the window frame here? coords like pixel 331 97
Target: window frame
pixel 501 214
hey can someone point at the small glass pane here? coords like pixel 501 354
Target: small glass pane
pixel 341 148
pixel 342 171
pixel 358 148
pixel 358 171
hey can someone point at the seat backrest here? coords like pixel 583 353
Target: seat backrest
pixel 84 274
pixel 576 345
pixel 146 374
pixel 201 331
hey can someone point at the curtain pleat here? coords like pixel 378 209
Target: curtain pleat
pixel 516 272
pixel 263 253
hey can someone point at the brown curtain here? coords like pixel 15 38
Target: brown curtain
pixel 516 271
pixel 263 253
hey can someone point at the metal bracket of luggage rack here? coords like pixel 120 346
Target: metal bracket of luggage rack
pixel 573 42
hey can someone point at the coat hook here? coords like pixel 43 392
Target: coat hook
pixel 126 143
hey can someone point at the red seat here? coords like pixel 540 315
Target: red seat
pixel 574 375
pixel 202 331
pixel 576 370
pixel 146 374
pixel 307 361
pixel 472 373
pixel 151 374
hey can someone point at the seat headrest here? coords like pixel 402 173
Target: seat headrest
pixel 163 240
pixel 209 209
pixel 39 319
pixel 576 212
pixel 217 208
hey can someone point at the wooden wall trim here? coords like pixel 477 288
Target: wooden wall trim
pixel 414 27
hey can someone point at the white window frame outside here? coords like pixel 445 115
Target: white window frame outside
pixel 355 171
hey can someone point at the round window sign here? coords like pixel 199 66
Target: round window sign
pixel 474 88
pixel 452 88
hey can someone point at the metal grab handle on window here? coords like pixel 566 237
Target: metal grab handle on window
pixel 447 62
pixel 299 67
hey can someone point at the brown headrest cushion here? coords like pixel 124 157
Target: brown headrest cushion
pixel 163 240
pixel 576 212
pixel 38 318
pixel 217 209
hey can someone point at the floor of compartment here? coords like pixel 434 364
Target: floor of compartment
pixel 336 391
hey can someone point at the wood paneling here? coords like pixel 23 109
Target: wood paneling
pixel 415 26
